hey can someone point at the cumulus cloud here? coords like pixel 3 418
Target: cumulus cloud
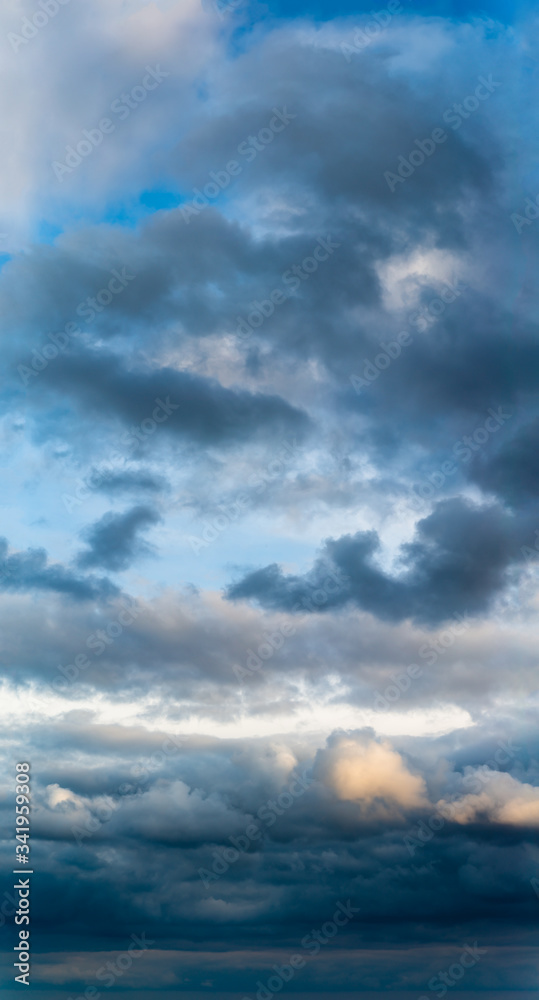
pixel 183 402
pixel 344 838
pixel 373 774
pixel 114 540
pixel 226 327
pixel 503 800
pixel 512 472
pixel 458 562
pixel 31 571
pixel 61 796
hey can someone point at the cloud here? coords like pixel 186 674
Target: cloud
pixel 62 796
pixel 131 481
pixel 372 774
pixel 503 800
pixel 344 838
pixel 113 541
pixel 30 570
pixel 175 402
pixel 457 563
pixel 381 583
pixel 512 472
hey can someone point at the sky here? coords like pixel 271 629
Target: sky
pixel 269 546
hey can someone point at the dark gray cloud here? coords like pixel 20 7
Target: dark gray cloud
pixel 197 657
pixel 114 541
pixel 175 402
pixel 512 472
pixel 458 562
pixel 132 481
pixel 168 340
pixel 32 571
pixel 200 278
pixel 428 886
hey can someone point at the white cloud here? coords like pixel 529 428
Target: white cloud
pixel 372 774
pixel 503 800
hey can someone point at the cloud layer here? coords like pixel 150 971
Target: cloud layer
pixel 268 566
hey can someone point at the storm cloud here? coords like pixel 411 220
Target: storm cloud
pixel 458 562
pixel 270 352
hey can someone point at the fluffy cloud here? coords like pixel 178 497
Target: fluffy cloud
pixel 115 797
pixel 249 342
pixel 504 800
pixel 114 543
pixel 23 571
pixel 458 562
pixel 372 774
